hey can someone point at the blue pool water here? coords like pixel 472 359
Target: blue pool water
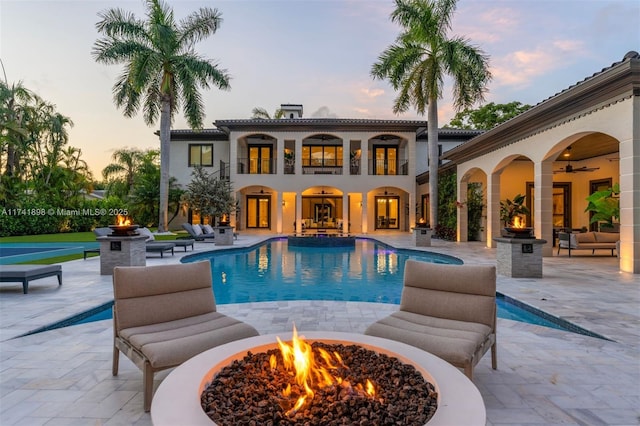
pixel 370 272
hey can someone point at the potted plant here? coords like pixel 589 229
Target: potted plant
pixel 605 206
pixel 510 209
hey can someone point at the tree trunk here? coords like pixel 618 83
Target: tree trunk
pixel 432 135
pixel 165 146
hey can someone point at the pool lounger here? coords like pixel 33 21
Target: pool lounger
pixel 26 273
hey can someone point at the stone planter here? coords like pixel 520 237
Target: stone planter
pixel 422 236
pixel 224 235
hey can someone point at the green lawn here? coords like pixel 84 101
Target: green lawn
pixel 68 237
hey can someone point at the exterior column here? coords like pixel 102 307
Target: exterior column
pixel 463 211
pixel 233 155
pixel 543 205
pixel 279 208
pixel 346 157
pixel 630 199
pixel 279 166
pixel 364 214
pixel 493 209
pixel 412 212
pixel 364 157
pixel 298 158
pixel 345 212
pixel 298 205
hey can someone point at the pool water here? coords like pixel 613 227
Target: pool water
pixel 370 272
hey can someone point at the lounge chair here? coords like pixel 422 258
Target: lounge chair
pixel 164 315
pixel 447 310
pixel 153 246
pixel 26 273
pixel 196 232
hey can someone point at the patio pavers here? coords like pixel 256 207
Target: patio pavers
pixel 545 376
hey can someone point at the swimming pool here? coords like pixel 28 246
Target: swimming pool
pixel 368 272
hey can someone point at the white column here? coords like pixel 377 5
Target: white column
pixel 543 204
pixel 279 208
pixel 493 208
pixel 279 157
pixel 364 220
pixel 346 155
pixel 630 199
pixel 345 212
pixel 364 157
pixel 298 157
pixel 298 206
pixel 412 212
pixel 463 211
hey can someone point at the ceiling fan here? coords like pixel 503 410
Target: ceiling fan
pixel 570 169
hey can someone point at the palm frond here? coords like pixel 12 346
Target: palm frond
pixel 119 24
pixel 199 25
pixel 260 113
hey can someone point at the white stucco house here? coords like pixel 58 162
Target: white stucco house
pixel 370 176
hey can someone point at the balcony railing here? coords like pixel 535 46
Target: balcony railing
pixel 389 168
pixel 255 166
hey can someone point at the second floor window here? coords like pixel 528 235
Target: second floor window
pixel 322 156
pixel 200 155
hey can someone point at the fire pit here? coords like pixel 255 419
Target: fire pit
pixel 519 232
pixel 123 227
pixel 178 399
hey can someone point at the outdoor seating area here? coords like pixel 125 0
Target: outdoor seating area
pixel 537 356
pixel 197 233
pixel 588 241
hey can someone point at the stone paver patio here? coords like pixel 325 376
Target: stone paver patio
pixel 544 377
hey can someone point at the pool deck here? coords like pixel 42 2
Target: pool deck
pixel 544 377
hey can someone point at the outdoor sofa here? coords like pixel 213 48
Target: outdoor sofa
pixel 588 241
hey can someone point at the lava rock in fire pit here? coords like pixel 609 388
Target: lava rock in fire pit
pixel 250 392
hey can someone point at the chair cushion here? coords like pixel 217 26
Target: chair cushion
pixel 197 231
pixel 607 237
pixel 147 233
pixel 171 343
pixel 207 229
pixel 585 237
pixel 457 342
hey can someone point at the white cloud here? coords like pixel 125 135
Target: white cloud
pixel 520 67
pixel 372 93
pixel 323 112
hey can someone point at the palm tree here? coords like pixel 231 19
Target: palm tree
pixel 121 173
pixel 261 113
pixel 417 63
pixel 162 71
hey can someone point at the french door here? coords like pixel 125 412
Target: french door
pixel 260 159
pixel 258 211
pixel 387 212
pixel 386 160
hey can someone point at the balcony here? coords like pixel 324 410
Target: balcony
pixel 389 167
pixel 253 166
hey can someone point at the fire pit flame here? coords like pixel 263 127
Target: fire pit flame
pixel 122 220
pixel 311 373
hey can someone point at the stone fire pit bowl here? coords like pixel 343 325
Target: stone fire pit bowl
pixel 177 399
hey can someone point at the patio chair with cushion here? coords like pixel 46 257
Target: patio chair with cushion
pixel 164 315
pixel 153 246
pixel 196 232
pixel 447 310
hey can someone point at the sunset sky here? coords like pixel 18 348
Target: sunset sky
pixel 315 53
